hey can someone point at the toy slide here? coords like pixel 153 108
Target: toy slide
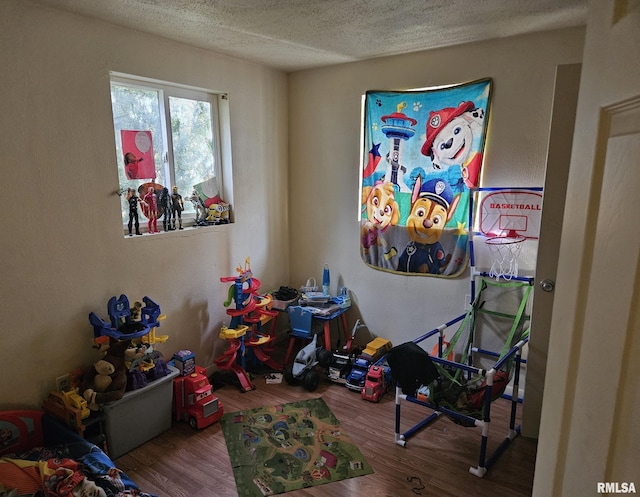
pixel 245 382
pixel 227 362
pixel 254 286
pixel 249 307
pixel 265 359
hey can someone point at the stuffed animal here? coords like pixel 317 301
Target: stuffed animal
pixel 107 381
pixel 133 355
pixel 102 380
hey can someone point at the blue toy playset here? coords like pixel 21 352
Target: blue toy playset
pixel 121 325
pixel 131 330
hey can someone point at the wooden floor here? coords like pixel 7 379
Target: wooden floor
pixel 183 462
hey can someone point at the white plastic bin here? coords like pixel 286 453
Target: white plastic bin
pixel 139 415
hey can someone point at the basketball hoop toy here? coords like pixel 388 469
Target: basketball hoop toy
pixel 505 218
pixel 505 251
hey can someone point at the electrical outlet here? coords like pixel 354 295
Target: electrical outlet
pixel 62 383
pixel 467 300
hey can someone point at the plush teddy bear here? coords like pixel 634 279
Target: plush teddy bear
pixel 107 381
pixel 102 379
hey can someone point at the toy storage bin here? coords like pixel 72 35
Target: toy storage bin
pixel 139 416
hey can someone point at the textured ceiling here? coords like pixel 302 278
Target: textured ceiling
pixel 299 34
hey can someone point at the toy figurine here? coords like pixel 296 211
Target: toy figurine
pixel 152 209
pixel 218 213
pixel 132 199
pixel 198 205
pixel 164 208
pixel 177 206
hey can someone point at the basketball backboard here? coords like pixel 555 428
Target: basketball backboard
pixel 509 212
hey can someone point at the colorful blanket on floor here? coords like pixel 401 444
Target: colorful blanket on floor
pixel 422 153
pixel 65 470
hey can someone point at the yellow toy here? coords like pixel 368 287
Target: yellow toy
pixel 78 402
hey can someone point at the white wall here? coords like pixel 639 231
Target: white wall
pixel 325 126
pixel 63 253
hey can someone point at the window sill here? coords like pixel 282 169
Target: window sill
pixel 189 227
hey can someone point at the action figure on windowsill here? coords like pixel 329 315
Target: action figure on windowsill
pixel 132 199
pixel 177 206
pixel 164 209
pixel 201 210
pixel 151 203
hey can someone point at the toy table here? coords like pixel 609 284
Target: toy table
pixel 326 319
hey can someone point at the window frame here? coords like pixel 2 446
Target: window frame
pixel 220 127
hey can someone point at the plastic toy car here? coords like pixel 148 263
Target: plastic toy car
pixel 377 383
pixel 78 401
pixel 340 367
pixel 303 368
pixel 373 352
pixel 376 348
pixel 356 378
pixel 194 400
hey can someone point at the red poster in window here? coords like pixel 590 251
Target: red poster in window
pixel 137 148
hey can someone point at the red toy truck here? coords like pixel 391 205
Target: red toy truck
pixel 377 382
pixel 194 400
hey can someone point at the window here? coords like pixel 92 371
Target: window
pixel 173 137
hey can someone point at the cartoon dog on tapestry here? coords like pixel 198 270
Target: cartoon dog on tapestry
pixel 382 212
pixel 450 140
pixel 432 206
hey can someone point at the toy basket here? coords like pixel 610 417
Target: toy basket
pixel 283 298
pixel 310 286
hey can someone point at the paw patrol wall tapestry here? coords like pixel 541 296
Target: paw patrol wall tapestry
pixel 422 152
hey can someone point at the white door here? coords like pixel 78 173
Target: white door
pixel 589 432
pixel 555 187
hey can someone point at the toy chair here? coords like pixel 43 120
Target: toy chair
pixel 301 320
